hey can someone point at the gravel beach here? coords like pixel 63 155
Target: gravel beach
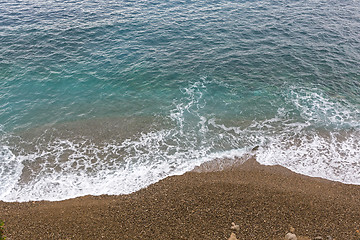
pixel 265 201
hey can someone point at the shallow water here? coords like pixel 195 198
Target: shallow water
pixel 109 97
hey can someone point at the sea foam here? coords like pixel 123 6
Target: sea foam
pixel 58 168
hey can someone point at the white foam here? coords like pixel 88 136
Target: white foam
pixel 307 147
pixel 316 107
pixel 148 159
pixel 67 168
pixel 10 170
pixel 330 157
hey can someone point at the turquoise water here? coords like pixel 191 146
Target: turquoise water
pixel 107 97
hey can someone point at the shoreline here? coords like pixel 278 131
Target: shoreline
pixel 91 155
pixel 264 200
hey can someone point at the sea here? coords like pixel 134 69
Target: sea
pixel 109 96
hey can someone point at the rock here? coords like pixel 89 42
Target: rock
pixel 255 148
pixel 235 227
pixel 290 236
pixel 318 238
pixel 232 237
pixel 330 237
pixel 292 230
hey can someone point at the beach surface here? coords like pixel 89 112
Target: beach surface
pixel 265 201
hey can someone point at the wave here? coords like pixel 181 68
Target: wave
pixel 310 133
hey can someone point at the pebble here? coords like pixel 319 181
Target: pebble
pixel 235 227
pixel 232 237
pixel 290 236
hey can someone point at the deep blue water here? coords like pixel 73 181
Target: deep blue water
pixel 107 97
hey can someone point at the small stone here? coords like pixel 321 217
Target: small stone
pixel 232 237
pixel 318 238
pixel 235 227
pixel 330 237
pixel 292 230
pixel 290 236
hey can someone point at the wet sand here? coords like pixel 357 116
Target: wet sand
pixel 264 201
